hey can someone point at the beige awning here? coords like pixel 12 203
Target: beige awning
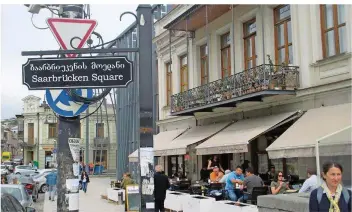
pixel 163 139
pixel 234 139
pixel 337 143
pixel 145 151
pixel 299 140
pixel 196 134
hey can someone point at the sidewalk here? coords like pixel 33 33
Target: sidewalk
pixel 91 201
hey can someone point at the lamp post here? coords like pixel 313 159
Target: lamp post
pixel 53 119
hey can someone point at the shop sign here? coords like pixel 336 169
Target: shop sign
pixel 223 150
pixel 166 152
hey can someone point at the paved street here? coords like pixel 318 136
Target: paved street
pixel 91 201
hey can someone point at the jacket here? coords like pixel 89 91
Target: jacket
pixel 324 205
pixel 51 178
pixel 161 184
pixel 126 181
pixel 81 179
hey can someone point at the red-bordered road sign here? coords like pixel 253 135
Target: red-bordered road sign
pixel 69 31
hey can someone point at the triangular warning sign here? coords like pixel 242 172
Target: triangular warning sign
pixel 71 33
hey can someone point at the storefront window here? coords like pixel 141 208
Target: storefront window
pixel 176 165
pixel 100 155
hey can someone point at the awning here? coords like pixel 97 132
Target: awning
pixel 145 151
pixel 300 139
pixel 196 134
pixel 234 139
pixel 163 140
pixel 337 143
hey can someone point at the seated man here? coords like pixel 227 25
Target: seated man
pixel 233 184
pixel 311 183
pixel 250 182
pixel 216 175
pixel 224 178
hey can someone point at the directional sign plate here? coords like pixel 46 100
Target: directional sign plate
pixel 90 72
pixel 61 103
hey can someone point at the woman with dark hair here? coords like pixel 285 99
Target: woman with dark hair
pixel 85 181
pixel 331 196
pixel 214 163
pixel 278 186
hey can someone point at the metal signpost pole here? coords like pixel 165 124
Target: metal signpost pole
pixel 86 151
pixel 68 128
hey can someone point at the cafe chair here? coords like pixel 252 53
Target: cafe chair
pixel 257 191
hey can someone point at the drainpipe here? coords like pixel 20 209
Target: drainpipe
pixel 262 13
pixel 38 141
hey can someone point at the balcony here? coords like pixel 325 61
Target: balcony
pixel 249 85
pixel 28 142
pixel 101 142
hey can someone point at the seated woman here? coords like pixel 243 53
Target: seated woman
pixel 278 186
pixel 127 180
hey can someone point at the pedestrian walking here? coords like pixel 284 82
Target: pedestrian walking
pixel 85 181
pixel 51 181
pixel 331 196
pixel 161 184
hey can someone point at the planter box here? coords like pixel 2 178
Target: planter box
pixel 227 205
pixel 197 203
pixel 174 200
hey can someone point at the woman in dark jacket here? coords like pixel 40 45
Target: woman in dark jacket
pixel 330 196
pixel 85 181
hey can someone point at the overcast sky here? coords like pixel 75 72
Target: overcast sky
pixel 18 34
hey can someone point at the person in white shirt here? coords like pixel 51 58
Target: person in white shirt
pixel 311 183
pixel 224 178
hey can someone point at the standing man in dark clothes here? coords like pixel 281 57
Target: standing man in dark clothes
pixel 161 184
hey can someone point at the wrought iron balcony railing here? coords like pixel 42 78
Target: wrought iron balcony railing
pixel 260 78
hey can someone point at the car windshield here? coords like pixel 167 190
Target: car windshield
pixel 8 163
pixel 16 192
pixel 3 167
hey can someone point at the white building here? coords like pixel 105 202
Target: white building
pixel 102 134
pixel 218 96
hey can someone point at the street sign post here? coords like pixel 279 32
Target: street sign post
pixel 70 34
pixel 89 72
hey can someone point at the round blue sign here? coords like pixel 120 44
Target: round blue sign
pixel 62 104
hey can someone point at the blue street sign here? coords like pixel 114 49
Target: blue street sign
pixel 54 150
pixel 62 104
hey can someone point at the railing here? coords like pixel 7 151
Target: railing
pixel 260 78
pixel 101 142
pixel 29 142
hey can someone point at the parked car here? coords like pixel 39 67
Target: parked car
pixel 27 181
pixel 18 160
pixel 41 180
pixel 24 169
pixel 31 187
pixel 19 192
pixel 4 170
pixel 9 204
pixel 9 164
